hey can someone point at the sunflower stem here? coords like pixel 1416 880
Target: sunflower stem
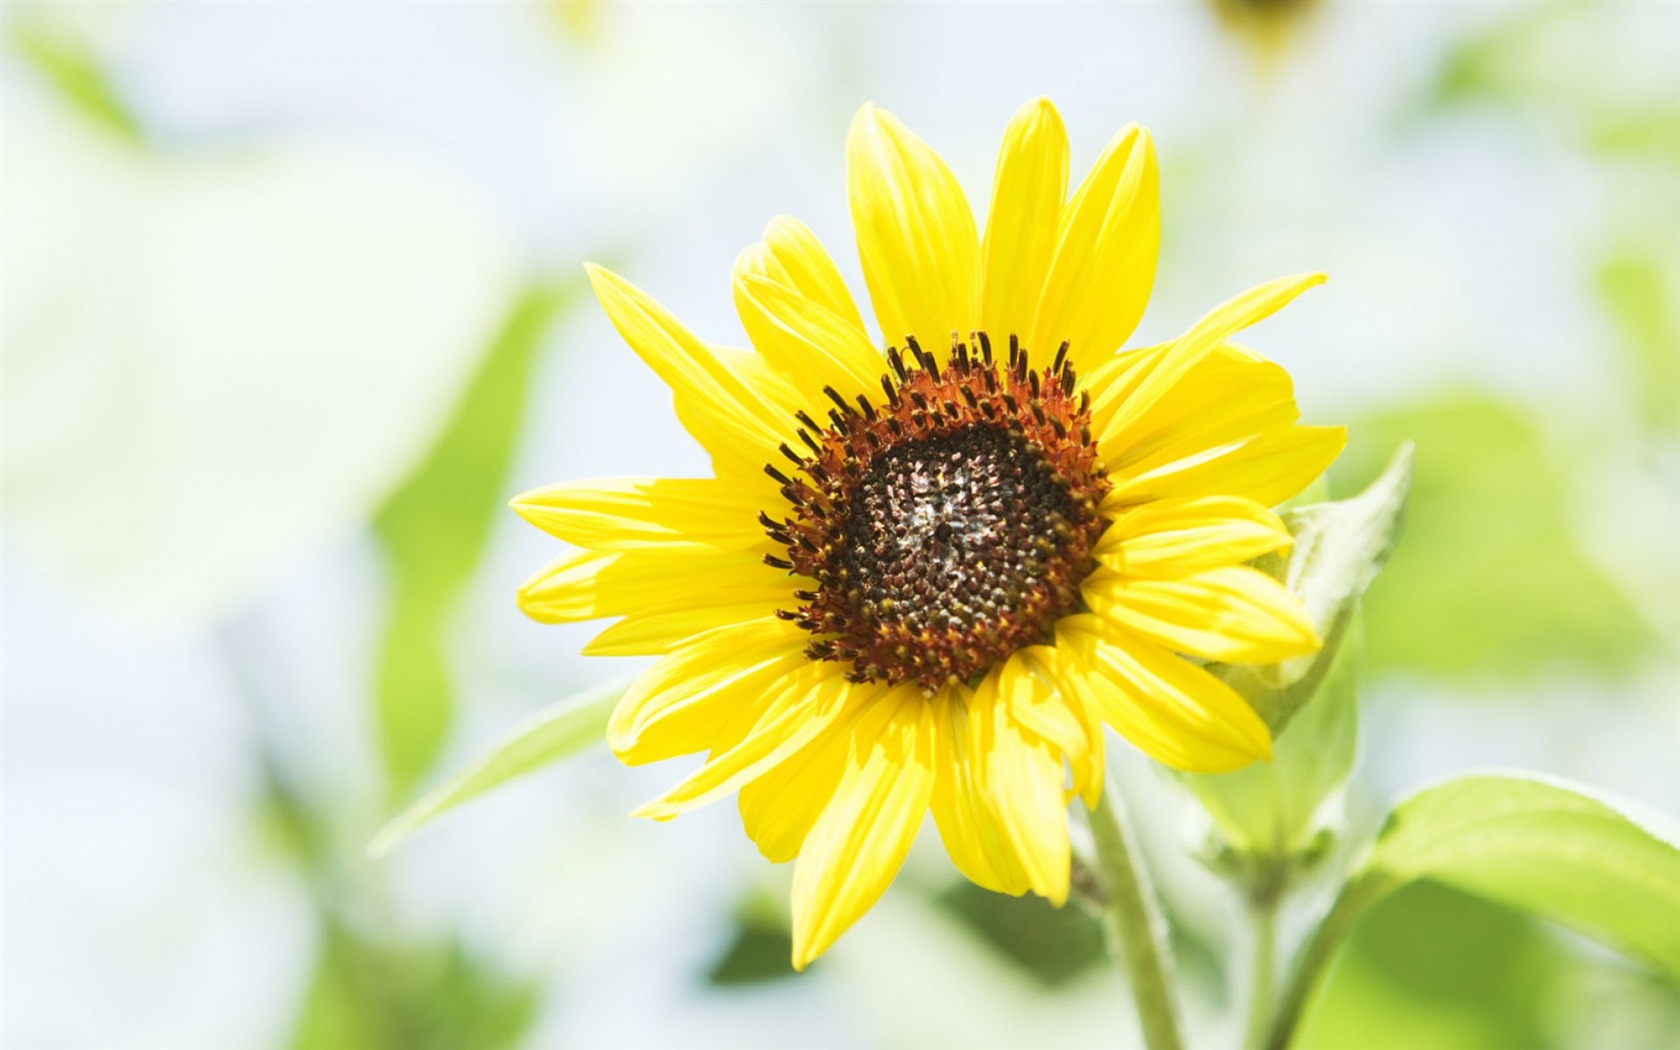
pixel 1315 957
pixel 1136 929
pixel 1263 921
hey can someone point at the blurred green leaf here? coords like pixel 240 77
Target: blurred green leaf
pixel 1490 581
pixel 64 58
pixel 434 529
pixel 1648 131
pixel 1641 288
pixel 761 947
pixel 1575 69
pixel 374 996
pixel 1054 945
pixel 558 731
pixel 1439 968
pixel 1606 868
pixel 1493 64
pixel 756 953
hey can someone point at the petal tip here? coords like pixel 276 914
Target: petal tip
pixel 527 504
pixel 1041 109
pixel 658 810
pixel 604 282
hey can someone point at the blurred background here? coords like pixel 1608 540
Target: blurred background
pixel 292 304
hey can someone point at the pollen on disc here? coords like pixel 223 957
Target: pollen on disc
pixel 946 526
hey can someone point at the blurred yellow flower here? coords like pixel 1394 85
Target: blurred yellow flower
pixel 925 577
pixel 1266 26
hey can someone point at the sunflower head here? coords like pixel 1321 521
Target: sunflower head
pixel 947 526
pixel 931 566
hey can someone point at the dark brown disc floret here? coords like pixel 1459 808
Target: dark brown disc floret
pixel 946 525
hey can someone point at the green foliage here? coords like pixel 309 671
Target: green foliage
pixel 374 996
pixel 1339 549
pixel 1264 813
pixel 1575 68
pixel 760 947
pixel 1562 852
pixel 558 731
pixel 1605 868
pixel 434 529
pixel 1053 945
pixel 1436 967
pixel 1490 582
pixel 1639 287
pixel 63 57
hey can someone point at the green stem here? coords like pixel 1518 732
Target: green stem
pixel 1314 961
pixel 1134 923
pixel 1263 920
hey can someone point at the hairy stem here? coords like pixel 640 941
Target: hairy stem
pixel 1313 962
pixel 1136 929
pixel 1263 925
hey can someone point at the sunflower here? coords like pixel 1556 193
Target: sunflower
pixel 929 569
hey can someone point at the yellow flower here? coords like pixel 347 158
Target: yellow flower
pixel 925 576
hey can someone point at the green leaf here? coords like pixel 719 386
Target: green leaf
pixel 1640 286
pixel 1056 946
pixel 557 732
pixel 1264 814
pixel 63 56
pixel 1609 98
pixel 1434 967
pixel 1490 583
pixel 373 994
pixel 434 530
pixel 1604 867
pixel 761 945
pixel 1267 815
pixel 1339 549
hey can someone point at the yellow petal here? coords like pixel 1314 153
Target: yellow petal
pixel 801 707
pixel 1232 613
pixel 588 585
pixel 1027 192
pixel 734 419
pixel 1024 783
pixel 675 707
pixel 1112 383
pixel 1176 537
pixel 1133 415
pixel 807 342
pixel 1226 396
pixel 630 513
pixel 961 806
pixel 1104 266
pixel 1029 685
pixel 792 256
pixel 1268 468
pixel 856 847
pixel 915 233
pixel 779 808
pixel 655 634
pixel 1170 709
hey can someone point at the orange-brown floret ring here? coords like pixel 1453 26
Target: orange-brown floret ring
pixel 948 525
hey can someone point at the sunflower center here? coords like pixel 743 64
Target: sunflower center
pixel 947 525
